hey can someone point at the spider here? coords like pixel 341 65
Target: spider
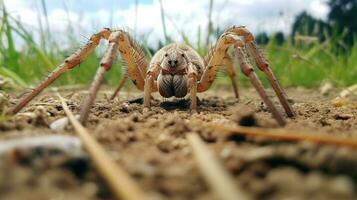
pixel 175 70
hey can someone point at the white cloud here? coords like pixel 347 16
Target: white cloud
pixel 183 15
pixel 318 9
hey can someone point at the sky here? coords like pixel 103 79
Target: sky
pixel 88 16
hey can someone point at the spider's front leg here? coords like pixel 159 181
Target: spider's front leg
pixel 192 85
pixel 150 83
pixel 104 66
pixel 131 55
pixel 118 40
pixel 240 38
pixel 69 63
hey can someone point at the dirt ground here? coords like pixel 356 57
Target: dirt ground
pixel 152 147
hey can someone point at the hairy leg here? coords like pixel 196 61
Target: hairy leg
pixel 150 83
pixel 120 86
pixel 247 70
pixel 105 65
pixel 69 63
pixel 133 58
pixel 214 60
pixel 228 63
pixel 238 38
pixel 263 65
pixel 192 85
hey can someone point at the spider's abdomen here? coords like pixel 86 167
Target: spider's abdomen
pixel 172 85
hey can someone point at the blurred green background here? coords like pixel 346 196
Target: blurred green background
pixel 311 52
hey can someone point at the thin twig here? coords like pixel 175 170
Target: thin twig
pixel 120 182
pixel 162 12
pixel 287 135
pixel 209 26
pixel 220 181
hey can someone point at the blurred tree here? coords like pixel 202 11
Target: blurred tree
pixel 279 38
pixel 306 25
pixel 343 17
pixel 262 38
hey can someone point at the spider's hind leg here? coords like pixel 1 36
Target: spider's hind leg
pixel 248 71
pixel 263 65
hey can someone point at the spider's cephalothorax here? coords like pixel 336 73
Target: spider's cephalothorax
pixel 174 59
pixel 175 70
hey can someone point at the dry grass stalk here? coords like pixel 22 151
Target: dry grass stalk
pixel 350 90
pixel 220 181
pixel 288 135
pixel 119 181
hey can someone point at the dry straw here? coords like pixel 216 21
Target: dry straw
pixel 120 182
pixel 287 135
pixel 219 180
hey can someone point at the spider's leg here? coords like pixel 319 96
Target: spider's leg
pixel 131 55
pixel 134 59
pixel 150 83
pixel 213 61
pixel 69 63
pixel 228 63
pixel 263 65
pixel 192 84
pixel 105 65
pixel 247 70
pixel 120 86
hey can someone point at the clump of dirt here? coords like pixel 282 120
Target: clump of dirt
pixel 151 145
pixel 46 173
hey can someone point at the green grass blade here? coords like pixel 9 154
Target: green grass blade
pixel 10 74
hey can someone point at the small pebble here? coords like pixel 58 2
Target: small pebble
pixel 343 116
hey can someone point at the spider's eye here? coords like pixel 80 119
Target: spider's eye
pixel 183 55
pixel 166 55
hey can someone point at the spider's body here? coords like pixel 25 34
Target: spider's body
pixel 174 59
pixel 175 70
